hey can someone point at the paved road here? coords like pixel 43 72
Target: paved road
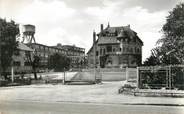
pixel 25 107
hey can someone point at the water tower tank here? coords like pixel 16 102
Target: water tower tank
pixel 28 33
pixel 28 29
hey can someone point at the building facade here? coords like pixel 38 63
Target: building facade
pixel 76 54
pixel 116 47
pixel 44 51
pixel 21 63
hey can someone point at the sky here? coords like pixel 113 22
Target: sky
pixel 73 21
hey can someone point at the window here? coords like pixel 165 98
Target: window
pixel 109 48
pixel 135 50
pixel 131 49
pixel 104 51
pixel 96 53
pixel 16 63
pixel 138 50
pixel 100 51
pixel 27 63
pixel 27 53
pixel 114 49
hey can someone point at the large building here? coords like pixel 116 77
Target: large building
pixel 116 47
pixel 44 51
pixel 76 54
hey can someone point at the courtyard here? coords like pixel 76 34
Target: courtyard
pixel 105 93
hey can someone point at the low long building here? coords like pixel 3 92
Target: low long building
pixel 76 54
pixel 116 47
pixel 44 51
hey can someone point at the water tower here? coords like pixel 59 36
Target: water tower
pixel 28 33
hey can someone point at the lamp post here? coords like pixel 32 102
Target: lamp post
pixel 169 83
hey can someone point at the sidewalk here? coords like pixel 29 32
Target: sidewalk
pixel 106 93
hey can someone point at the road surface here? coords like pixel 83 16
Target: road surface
pixel 25 107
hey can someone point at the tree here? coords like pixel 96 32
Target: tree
pixel 151 61
pixel 172 43
pixel 9 32
pixel 58 62
pixel 34 61
pixel 160 57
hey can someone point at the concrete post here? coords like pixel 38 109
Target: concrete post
pixel 12 74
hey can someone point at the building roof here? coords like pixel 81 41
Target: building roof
pixel 36 44
pixel 71 46
pixel 23 47
pixel 114 29
pixel 108 40
pixel 118 32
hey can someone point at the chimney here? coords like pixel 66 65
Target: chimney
pixel 94 37
pixel 108 25
pixel 129 25
pixel 94 51
pixel 101 27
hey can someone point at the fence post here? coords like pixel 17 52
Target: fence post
pixel 0 53
pixel 170 83
pixel 126 73
pixel 138 83
pixel 167 75
pixel 64 77
pixel 12 74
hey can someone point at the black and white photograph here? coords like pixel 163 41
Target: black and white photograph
pixel 91 56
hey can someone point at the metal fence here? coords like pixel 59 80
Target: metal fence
pixel 157 77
